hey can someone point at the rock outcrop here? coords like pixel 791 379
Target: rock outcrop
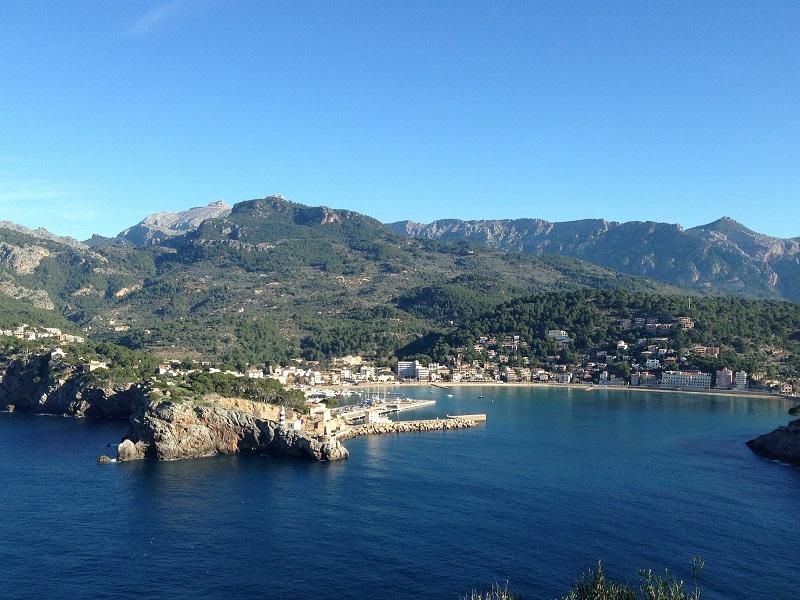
pixel 171 430
pixel 159 227
pixel 45 384
pixel 22 259
pixel 783 444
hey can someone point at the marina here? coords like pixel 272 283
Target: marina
pixel 377 409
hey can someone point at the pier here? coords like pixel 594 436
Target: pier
pixel 478 417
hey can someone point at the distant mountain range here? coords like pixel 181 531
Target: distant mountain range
pixel 722 257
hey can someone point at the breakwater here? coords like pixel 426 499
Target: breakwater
pixel 407 426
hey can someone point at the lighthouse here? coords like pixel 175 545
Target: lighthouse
pixel 282 418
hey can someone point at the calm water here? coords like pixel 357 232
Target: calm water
pixel 556 480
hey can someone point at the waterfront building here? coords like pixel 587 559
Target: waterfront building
pixel 724 379
pixel 408 369
pixel 689 380
pixel 740 380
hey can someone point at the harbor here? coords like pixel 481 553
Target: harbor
pixel 377 410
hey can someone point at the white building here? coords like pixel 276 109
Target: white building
pixel 407 369
pixel 724 379
pixel 688 380
pixel 740 380
pixel 558 335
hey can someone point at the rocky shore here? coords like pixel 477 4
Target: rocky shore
pixel 158 429
pixel 44 384
pixel 175 430
pixel 783 444
pixel 407 426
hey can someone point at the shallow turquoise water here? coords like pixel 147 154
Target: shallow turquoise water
pixel 554 481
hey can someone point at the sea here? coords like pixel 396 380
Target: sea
pixel 555 481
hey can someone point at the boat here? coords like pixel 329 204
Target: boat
pixel 449 395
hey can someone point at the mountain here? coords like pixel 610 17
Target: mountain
pixel 158 227
pixel 269 279
pixel 721 257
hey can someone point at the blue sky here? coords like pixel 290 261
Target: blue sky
pixel 669 111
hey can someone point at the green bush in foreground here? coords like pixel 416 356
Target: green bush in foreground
pixel 595 585
pixel 496 593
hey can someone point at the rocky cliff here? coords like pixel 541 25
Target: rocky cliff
pixel 783 444
pixel 173 430
pixel 45 384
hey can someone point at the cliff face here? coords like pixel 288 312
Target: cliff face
pixel 783 444
pixel 174 430
pixel 46 385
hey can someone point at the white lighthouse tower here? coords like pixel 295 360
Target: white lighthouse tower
pixel 282 417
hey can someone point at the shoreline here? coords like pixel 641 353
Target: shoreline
pixel 574 386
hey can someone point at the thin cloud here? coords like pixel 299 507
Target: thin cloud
pixel 31 190
pixel 168 12
pixel 157 16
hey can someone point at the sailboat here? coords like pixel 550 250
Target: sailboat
pixel 480 394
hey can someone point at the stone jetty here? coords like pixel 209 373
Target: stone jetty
pixel 407 426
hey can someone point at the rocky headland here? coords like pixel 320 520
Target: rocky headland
pixel 188 429
pixel 783 444
pixel 159 428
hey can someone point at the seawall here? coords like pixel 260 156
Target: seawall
pixel 407 426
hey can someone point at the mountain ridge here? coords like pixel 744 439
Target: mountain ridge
pixel 723 256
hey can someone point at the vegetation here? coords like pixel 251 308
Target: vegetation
pixel 15 312
pixel 495 593
pixel 758 334
pixel 595 585
pixel 276 280
pixel 198 385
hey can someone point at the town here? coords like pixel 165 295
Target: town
pixel 646 355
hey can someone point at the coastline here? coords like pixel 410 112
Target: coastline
pixel 575 386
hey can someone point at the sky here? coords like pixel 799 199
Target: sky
pixel 665 111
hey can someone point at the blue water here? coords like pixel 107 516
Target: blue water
pixel 554 481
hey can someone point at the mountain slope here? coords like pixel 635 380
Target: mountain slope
pixel 723 256
pixel 158 227
pixel 271 279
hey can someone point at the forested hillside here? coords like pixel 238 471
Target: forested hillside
pixel 274 280
pixel 754 334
